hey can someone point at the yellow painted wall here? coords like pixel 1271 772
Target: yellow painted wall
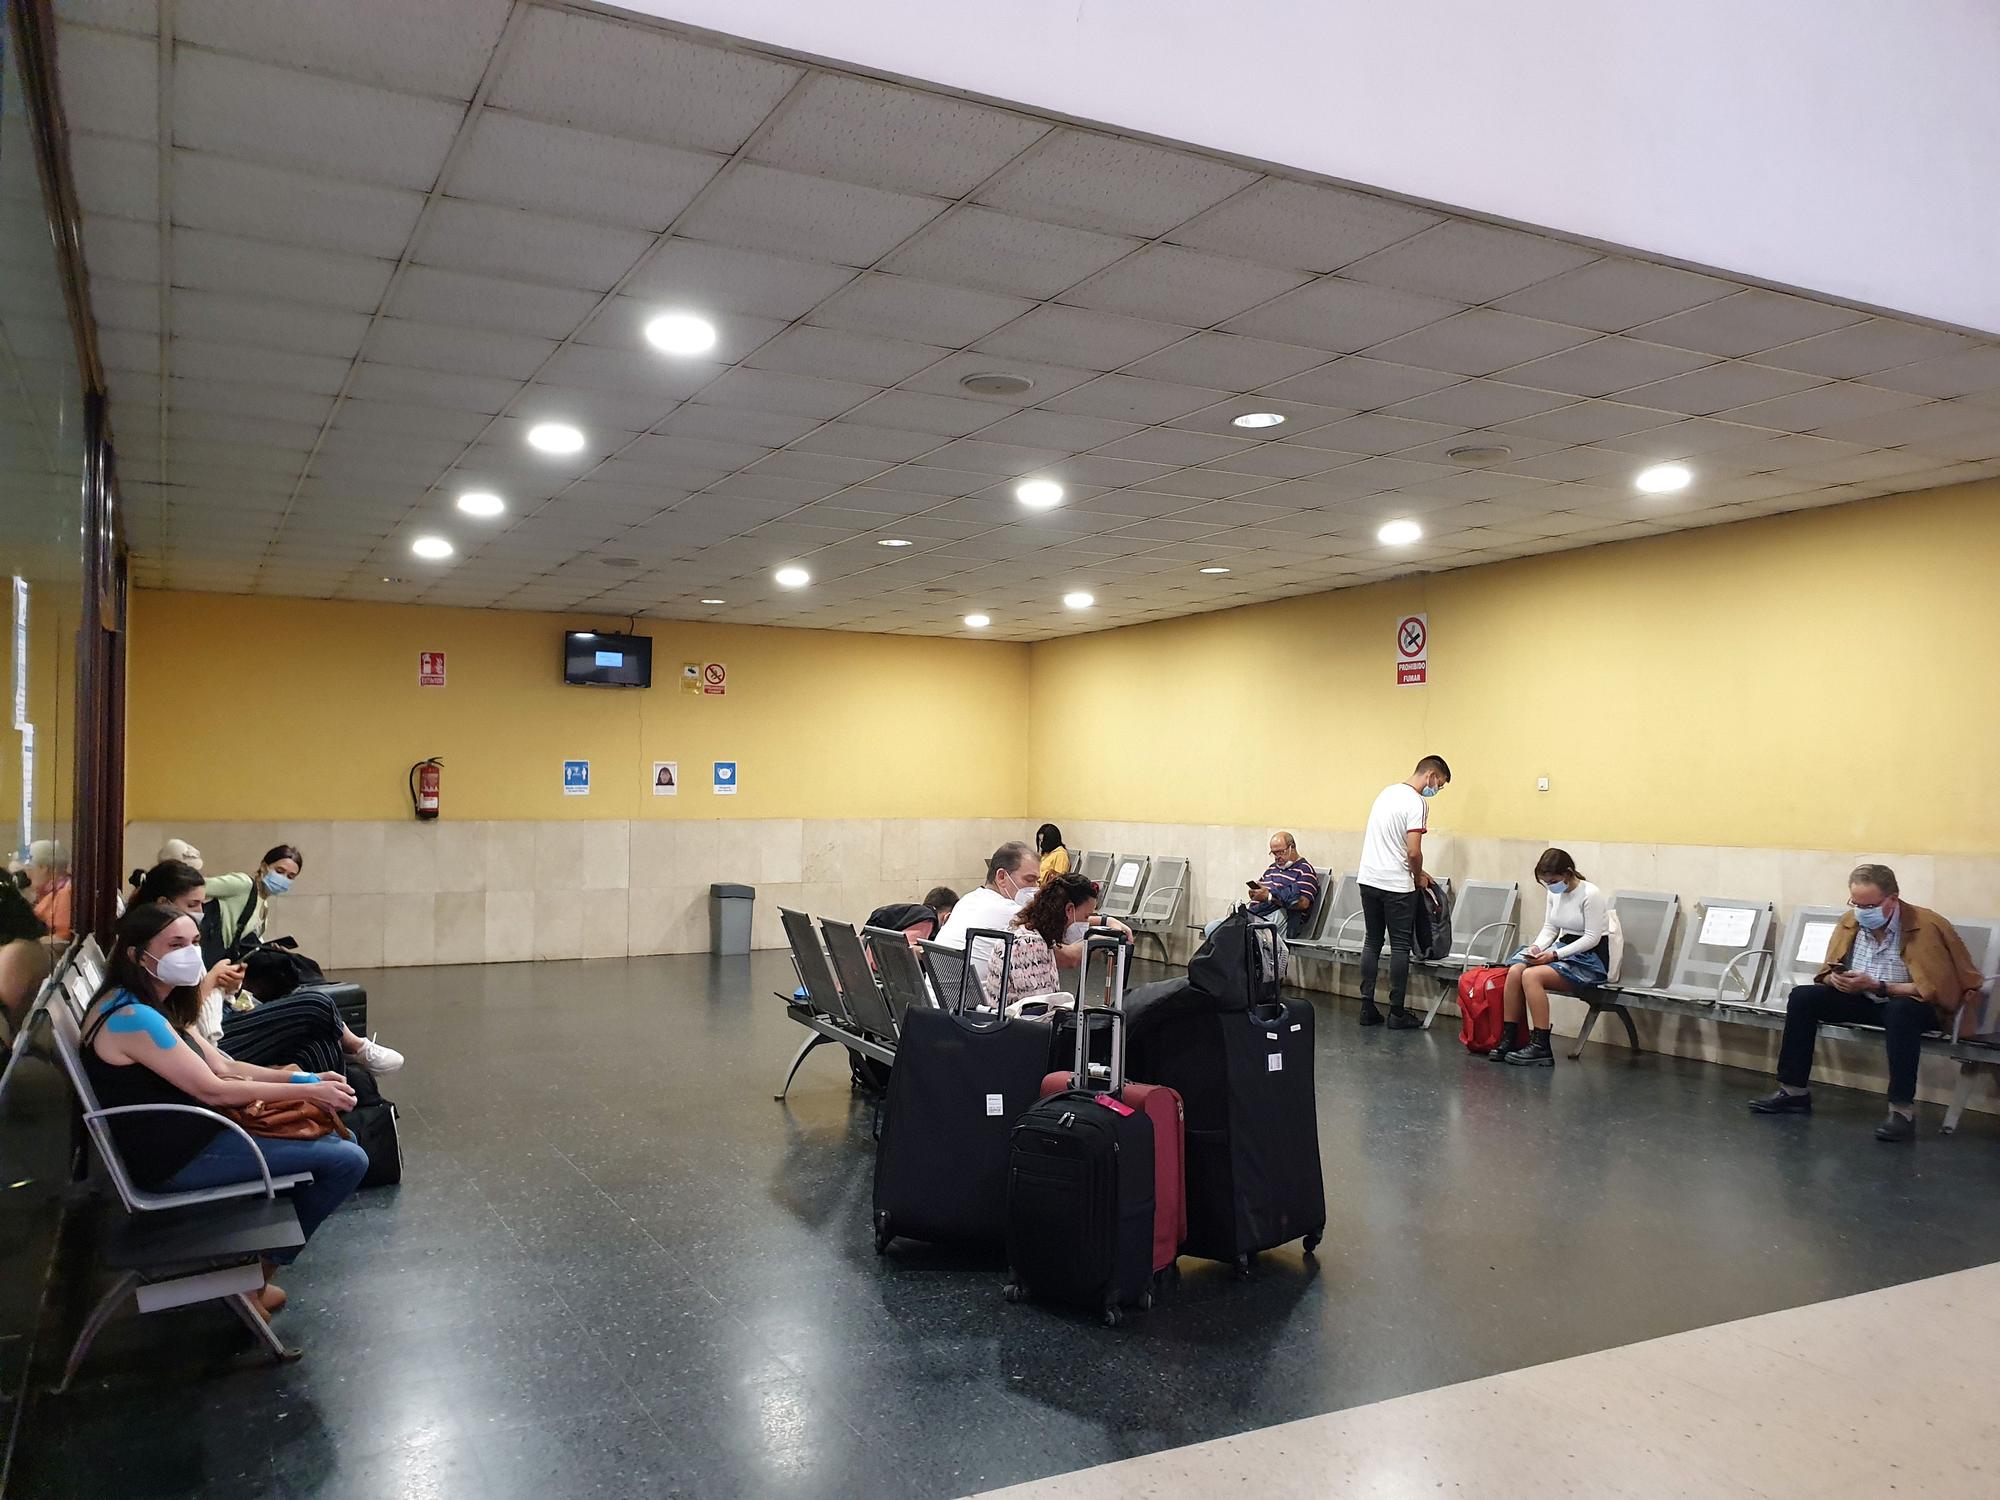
pixel 320 716
pixel 1819 680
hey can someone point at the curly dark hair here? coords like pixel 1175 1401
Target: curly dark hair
pixel 1048 913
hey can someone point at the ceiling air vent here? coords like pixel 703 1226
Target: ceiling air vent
pixel 1479 453
pixel 996 383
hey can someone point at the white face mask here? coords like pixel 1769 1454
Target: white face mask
pixel 180 966
pixel 1025 894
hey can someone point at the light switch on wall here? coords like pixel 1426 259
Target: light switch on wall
pixel 1541 783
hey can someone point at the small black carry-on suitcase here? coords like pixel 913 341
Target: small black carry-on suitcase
pixel 1245 1076
pixel 961 1080
pixel 1080 1185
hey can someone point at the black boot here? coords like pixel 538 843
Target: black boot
pixel 1510 1038
pixel 1536 1054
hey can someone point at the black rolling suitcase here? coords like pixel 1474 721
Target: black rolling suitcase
pixel 1245 1076
pixel 373 1121
pixel 961 1080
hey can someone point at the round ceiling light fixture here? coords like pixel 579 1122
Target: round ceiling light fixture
pixel 1078 600
pixel 1399 533
pixel 791 578
pixel 680 333
pixel 1038 494
pixel 556 437
pixel 995 383
pixel 1212 571
pixel 977 622
pixel 1259 419
pixel 1479 453
pixel 1664 479
pixel 433 548
pixel 893 541
pixel 481 503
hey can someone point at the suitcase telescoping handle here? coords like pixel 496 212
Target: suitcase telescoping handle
pixel 976 956
pixel 1116 948
pixel 1262 952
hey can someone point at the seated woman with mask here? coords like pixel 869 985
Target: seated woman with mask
pixel 1048 934
pixel 303 1029
pixel 1571 954
pixel 242 902
pixel 139 1047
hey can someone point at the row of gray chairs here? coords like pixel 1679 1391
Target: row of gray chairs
pixel 1143 892
pixel 855 987
pixel 1485 926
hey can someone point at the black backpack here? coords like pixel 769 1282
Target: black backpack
pixel 275 969
pixel 216 945
pixel 1432 939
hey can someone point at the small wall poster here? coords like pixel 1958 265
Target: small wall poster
pixel 691 678
pixel 666 778
pixel 725 778
pixel 1413 649
pixel 576 778
pixel 715 679
pixel 430 669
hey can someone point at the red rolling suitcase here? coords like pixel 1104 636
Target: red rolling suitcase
pixel 1160 1105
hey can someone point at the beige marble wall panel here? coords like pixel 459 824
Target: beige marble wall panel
pixel 410 928
pixel 510 926
pixel 606 862
pixel 356 940
pixel 559 924
pixel 461 927
pixel 409 858
pixel 461 854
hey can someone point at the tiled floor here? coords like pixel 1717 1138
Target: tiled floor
pixel 615 1267
pixel 1883 1394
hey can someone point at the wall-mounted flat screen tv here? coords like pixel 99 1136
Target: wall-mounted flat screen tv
pixel 597 658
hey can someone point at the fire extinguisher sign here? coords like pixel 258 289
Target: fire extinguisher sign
pixel 430 669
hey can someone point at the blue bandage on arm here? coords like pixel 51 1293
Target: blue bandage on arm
pixel 131 1018
pixel 305 1078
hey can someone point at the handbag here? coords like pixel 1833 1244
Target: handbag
pixel 288 1119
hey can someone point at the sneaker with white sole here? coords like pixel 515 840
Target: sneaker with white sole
pixel 377 1058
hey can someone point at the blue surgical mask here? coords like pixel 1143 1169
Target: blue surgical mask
pixel 1430 791
pixel 275 883
pixel 1874 918
pixel 1558 887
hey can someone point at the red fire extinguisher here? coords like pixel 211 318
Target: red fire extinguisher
pixel 425 779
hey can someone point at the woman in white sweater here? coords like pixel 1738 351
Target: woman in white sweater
pixel 1568 956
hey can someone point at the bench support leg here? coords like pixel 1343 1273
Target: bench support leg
pixel 108 1304
pixel 1589 1025
pixel 1961 1095
pixel 812 1041
pixel 258 1324
pixel 1437 999
pixel 1631 1031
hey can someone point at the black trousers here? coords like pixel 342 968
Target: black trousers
pixel 1904 1021
pixel 1393 913
pixel 302 1030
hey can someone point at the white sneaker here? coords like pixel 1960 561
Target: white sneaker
pixel 377 1058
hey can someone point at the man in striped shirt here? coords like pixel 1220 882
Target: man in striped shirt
pixel 1290 886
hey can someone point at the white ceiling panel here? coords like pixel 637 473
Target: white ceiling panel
pixel 1720 387
pixel 948 416
pixel 483 237
pixel 621 324
pixel 1968 372
pixel 791 214
pixel 249 400
pixel 1081 339
pixel 1094 181
pixel 796 395
pixel 116 177
pixel 737 424
pixel 1810 410
pixel 291 208
pixel 1230 361
pixel 998 252
pixel 1587 422
pixel 1614 294
pixel 111 81
pixel 552 169
pixel 1478 403
pixel 629 79
pixel 710 279
pixel 921 311
pixel 467 351
pixel 121 247
pixel 1920 425
pixel 376 381
pixel 202 360
pixel 1172 285
pixel 1864 348
pixel 1480 341
pixel 1609 364
pixel 1303 227
pixel 252 268
pixel 1344 316
pixel 834 354
pixel 425 49
pixel 428 294
pixel 944 379
pixel 1130 399
pixel 859 130
pixel 273 325
pixel 1360 384
pixel 1748 323
pixel 592 410
pixel 297 120
pixel 1469 262
pixel 858 440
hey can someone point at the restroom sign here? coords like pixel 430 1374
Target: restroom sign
pixel 714 679
pixel 430 669
pixel 1413 649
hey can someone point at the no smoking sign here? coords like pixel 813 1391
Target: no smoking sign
pixel 715 679
pixel 1413 647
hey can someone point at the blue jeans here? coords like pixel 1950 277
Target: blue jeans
pixel 337 1167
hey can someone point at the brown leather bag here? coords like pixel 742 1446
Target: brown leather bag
pixel 288 1119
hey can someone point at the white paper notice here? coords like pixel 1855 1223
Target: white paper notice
pixel 1727 927
pixel 1813 941
pixel 1128 875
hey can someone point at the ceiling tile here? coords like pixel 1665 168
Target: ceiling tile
pixel 1588 421
pixel 1479 341
pixel 737 424
pixel 267 324
pixel 1804 411
pixel 1094 181
pixel 199 359
pixel 1609 364
pixel 1130 399
pixel 1168 445
pixel 268 203
pixel 1360 384
pixel 1720 387
pixel 1615 294
pixel 924 312
pixel 1302 226
pixel 1185 287
pixel 727 278
pixel 948 416
pixel 1469 262
pixel 377 381
pixel 1920 425
pixel 1081 339
pixel 1864 348
pixel 116 177
pixel 1478 403
pixel 621 324
pixel 788 213
pixel 1341 315
pixel 998 252
pixel 390 43
pixel 431 295
pixel 1221 418
pixel 121 247
pixel 224 263
pixel 1048 380
pixel 1052 429
pixel 770 390
pixel 1374 433
pixel 523 163
pixel 1285 461
pixel 1747 323
pixel 858 440
pixel 1228 361
pixel 858 130
pixel 1688 438
pixel 469 351
pixel 833 354
pixel 253 111
pixel 632 79
pixel 1969 372
pixel 111 80
pixel 483 237
pixel 592 410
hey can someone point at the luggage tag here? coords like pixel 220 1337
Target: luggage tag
pixel 1274 1062
pixel 1116 1104
pixel 995 1105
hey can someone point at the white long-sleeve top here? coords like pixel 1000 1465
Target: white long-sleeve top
pixel 1581 910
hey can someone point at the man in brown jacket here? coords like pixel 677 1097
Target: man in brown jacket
pixel 1889 963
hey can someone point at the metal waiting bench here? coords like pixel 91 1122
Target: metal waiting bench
pixel 1485 923
pixel 1095 865
pixel 825 1011
pixel 1121 893
pixel 1160 903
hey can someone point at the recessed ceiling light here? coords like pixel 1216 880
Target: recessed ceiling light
pixel 792 578
pixel 1259 419
pixel 1664 479
pixel 1212 570
pixel 1078 600
pixel 1398 533
pixel 432 547
pixel 1478 453
pixel 995 383
pixel 893 541
pixel 977 622
pixel 481 503
pixel 555 437
pixel 715 601
pixel 1039 494
pixel 680 333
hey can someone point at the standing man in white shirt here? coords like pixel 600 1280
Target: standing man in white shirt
pixel 1392 868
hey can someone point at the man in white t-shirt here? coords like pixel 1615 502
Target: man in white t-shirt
pixel 1011 874
pixel 1392 868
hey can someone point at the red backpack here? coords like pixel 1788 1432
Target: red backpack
pixel 1481 996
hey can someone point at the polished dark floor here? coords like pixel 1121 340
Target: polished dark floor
pixel 616 1267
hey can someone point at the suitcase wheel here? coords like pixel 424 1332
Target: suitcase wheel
pixel 1167 1278
pixel 1145 1302
pixel 1016 1292
pixel 1311 1243
pixel 1243 1263
pixel 883 1234
pixel 1114 1315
